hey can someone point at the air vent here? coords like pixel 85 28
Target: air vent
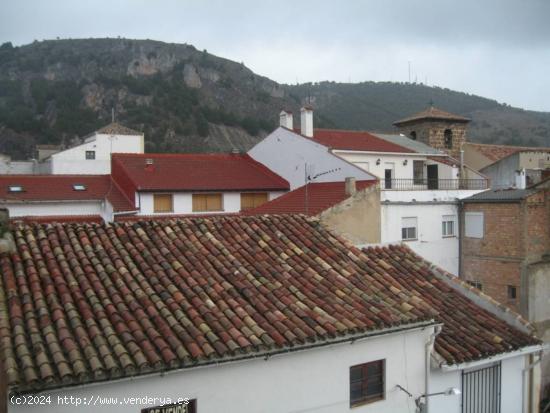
pixel 79 187
pixel 15 188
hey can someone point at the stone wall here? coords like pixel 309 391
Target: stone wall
pixel 432 133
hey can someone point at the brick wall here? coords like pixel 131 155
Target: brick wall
pixel 495 260
pixel 537 226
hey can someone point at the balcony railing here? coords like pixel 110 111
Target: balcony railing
pixel 435 184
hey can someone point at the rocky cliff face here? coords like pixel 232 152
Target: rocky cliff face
pixel 184 99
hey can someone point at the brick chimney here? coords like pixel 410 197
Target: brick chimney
pixel 351 188
pixel 286 120
pixel 306 118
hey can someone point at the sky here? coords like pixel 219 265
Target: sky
pixel 498 49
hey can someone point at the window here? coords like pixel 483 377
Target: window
pixel 366 383
pixel 512 292
pixel 79 187
pixel 163 203
pixel 473 225
pixel 475 284
pixel 413 135
pixel 418 172
pixel 15 188
pixel 448 138
pixel 207 202
pixel 90 154
pixel 408 228
pixel 448 226
pixel 252 200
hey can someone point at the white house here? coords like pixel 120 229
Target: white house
pixel 232 313
pixel 63 197
pixel 420 186
pixel 181 184
pixel 93 156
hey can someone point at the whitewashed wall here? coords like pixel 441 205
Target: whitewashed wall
pixel 430 243
pixel 73 160
pixel 56 208
pixel 511 387
pixel 315 380
pixel 286 153
pixel 400 171
pixel 183 202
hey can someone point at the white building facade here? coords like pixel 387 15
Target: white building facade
pixel 93 156
pixel 313 380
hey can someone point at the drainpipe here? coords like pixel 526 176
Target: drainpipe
pixel 459 227
pixel 429 349
pixel 528 405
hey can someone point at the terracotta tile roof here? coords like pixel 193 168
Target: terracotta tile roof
pixel 320 196
pixel 44 188
pixel 196 172
pixel 85 302
pixel 469 332
pixel 356 141
pixel 498 152
pixel 115 128
pixel 432 113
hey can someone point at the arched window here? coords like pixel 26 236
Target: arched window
pixel 413 135
pixel 448 138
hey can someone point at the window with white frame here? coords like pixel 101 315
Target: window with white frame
pixel 448 226
pixel 473 224
pixel 409 228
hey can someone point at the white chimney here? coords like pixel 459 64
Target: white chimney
pixel 521 181
pixel 351 187
pixel 306 118
pixel 286 120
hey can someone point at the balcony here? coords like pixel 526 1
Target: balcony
pixel 433 184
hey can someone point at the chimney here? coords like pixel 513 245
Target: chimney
pixel 149 164
pixel 521 179
pixel 306 118
pixel 286 120
pixel 351 189
pixel 7 243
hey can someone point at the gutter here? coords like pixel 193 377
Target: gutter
pixel 503 356
pixel 351 339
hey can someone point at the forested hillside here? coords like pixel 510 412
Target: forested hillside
pixel 184 99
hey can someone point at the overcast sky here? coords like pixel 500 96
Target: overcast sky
pixel 499 49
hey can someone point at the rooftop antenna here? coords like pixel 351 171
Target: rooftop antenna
pixel 309 178
pixel 113 115
pixel 409 71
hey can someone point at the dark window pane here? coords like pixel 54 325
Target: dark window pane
pixel 356 373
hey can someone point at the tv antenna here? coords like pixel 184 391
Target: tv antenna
pixel 309 170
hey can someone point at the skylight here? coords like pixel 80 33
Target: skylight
pixel 79 187
pixel 16 188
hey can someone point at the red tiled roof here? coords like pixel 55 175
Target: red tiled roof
pixel 60 188
pixel 320 196
pixel 86 302
pixel 197 172
pixel 432 113
pixel 469 332
pixel 498 152
pixel 355 141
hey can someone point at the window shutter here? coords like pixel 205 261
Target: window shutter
pixel 473 224
pixel 207 202
pixel 162 203
pixel 253 200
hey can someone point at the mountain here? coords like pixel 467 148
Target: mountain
pixel 184 99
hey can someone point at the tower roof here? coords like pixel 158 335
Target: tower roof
pixel 432 113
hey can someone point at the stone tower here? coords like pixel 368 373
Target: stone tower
pixel 436 128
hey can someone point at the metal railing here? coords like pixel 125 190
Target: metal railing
pixel 429 184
